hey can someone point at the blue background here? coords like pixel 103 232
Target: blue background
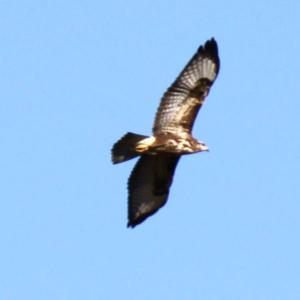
pixel 74 77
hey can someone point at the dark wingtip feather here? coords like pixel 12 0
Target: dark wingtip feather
pixel 131 225
pixel 133 220
pixel 210 50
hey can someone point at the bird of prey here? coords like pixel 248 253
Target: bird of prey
pixel 151 178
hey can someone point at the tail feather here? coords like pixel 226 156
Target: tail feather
pixel 124 149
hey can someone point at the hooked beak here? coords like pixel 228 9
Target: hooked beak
pixel 203 147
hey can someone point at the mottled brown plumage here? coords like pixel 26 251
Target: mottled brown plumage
pixel 151 178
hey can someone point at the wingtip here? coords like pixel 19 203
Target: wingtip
pixel 211 47
pixel 132 222
pixel 130 225
pixel 134 219
pixel 211 50
pixel 212 41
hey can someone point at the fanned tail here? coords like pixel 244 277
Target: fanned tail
pixel 124 149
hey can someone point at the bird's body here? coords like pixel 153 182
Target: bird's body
pixel 180 143
pixel 152 175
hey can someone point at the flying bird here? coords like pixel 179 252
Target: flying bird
pixel 151 177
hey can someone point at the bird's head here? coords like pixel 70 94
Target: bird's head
pixel 202 146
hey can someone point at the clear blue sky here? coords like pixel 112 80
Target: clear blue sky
pixel 77 75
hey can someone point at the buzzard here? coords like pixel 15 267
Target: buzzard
pixel 151 178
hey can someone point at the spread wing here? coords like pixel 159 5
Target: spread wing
pixel 182 101
pixel 148 186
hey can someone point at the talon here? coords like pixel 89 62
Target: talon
pixel 144 144
pixel 141 148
